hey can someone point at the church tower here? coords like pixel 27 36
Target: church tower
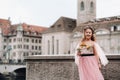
pixel 86 10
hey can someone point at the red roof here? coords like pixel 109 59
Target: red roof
pixel 33 28
pixel 7 28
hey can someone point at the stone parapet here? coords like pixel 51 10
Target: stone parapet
pixel 62 67
pixel 112 70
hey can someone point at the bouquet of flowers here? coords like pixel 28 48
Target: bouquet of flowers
pixel 83 45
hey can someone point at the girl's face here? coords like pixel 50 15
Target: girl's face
pixel 88 34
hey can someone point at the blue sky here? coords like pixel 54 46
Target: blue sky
pixel 46 12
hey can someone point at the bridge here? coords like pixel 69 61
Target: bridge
pixel 11 67
pixel 12 71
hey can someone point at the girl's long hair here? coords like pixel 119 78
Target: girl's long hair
pixel 93 35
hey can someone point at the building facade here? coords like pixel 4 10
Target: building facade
pixel 107 32
pixel 56 40
pixel 19 40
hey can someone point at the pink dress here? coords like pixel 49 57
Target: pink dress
pixel 88 65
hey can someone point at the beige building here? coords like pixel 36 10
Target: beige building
pixel 19 40
pixel 56 40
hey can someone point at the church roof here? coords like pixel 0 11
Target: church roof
pixel 62 24
pixel 98 23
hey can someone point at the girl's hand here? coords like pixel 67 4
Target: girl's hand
pixel 78 53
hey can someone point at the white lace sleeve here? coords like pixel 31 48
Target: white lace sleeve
pixel 101 54
pixel 76 56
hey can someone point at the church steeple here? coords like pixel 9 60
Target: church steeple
pixel 86 10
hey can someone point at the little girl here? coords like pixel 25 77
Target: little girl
pixel 89 57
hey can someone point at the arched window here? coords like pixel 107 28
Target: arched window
pixel 91 6
pixel 82 7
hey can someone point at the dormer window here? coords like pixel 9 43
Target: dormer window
pixel 52 26
pixel 27 32
pixel 34 33
pixel 59 25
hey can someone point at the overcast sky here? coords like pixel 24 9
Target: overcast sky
pixel 46 12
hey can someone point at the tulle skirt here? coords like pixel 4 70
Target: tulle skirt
pixel 89 69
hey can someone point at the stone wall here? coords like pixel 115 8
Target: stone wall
pixel 64 68
pixel 112 70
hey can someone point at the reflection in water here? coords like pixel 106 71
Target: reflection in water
pixel 19 74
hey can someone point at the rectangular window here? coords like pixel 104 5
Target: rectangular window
pixel 36 41
pixel 32 40
pixel 14 40
pixel 19 46
pixel 10 40
pixel 32 47
pixel 5 40
pixel 32 53
pixel 36 53
pixel 39 41
pixel 35 47
pixel 27 40
pixel 39 47
pixel 4 47
pixel 14 46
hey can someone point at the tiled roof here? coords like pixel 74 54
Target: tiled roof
pixel 99 23
pixel 62 24
pixel 106 19
pixel 33 28
pixel 7 28
pixel 4 21
pixel 29 28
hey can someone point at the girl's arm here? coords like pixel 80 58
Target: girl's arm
pixel 97 57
